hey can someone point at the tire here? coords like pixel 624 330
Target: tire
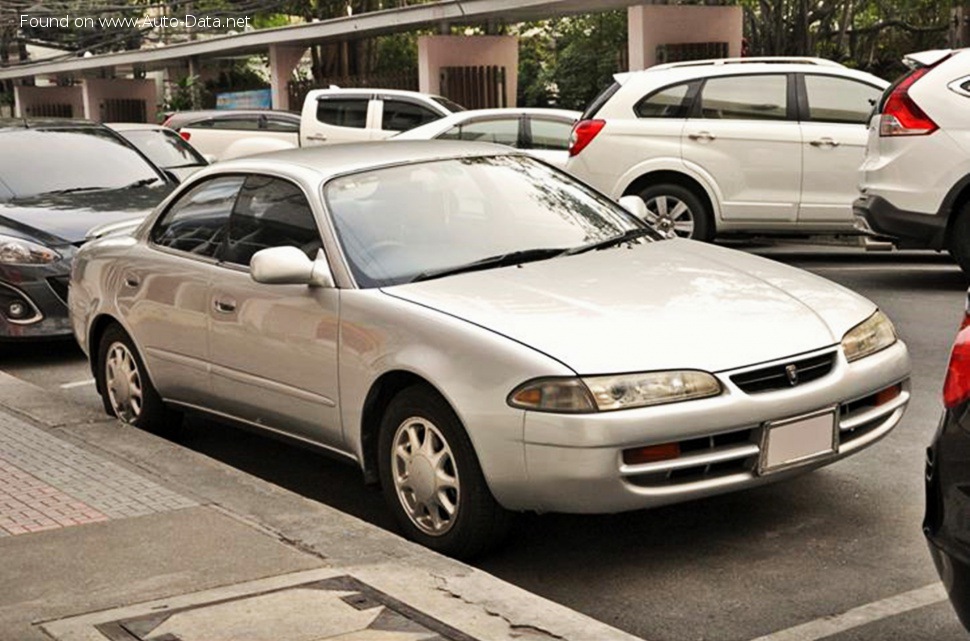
pixel 443 504
pixel 664 202
pixel 958 239
pixel 126 390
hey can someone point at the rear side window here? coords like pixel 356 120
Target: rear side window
pixel 197 221
pixel 343 112
pixel 670 102
pixel 270 212
pixel 600 100
pixel 761 97
pixel 839 100
pixel 550 134
pixel 401 116
pixel 504 131
pixel 237 124
pixel 279 124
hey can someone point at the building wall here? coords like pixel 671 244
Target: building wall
pixel 97 90
pixel 28 99
pixel 435 52
pixel 654 25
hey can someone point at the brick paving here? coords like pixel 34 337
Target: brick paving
pixel 48 483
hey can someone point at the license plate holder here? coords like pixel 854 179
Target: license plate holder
pixel 798 440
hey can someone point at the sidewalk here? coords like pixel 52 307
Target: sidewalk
pixel 107 532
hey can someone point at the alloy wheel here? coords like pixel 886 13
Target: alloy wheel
pixel 123 382
pixel 671 213
pixel 425 476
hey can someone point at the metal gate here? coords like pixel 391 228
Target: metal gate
pixel 691 51
pixel 124 110
pixel 50 110
pixel 474 87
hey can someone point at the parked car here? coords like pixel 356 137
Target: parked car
pixel 915 178
pixel 543 133
pixel 748 145
pixel 222 134
pixel 947 521
pixel 329 116
pixel 57 180
pixel 163 147
pixel 481 333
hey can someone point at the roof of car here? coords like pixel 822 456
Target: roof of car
pixel 180 118
pixel 131 126
pixel 45 123
pixel 665 74
pixel 330 160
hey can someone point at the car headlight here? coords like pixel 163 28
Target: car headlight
pixel 868 337
pixel 605 393
pixel 17 251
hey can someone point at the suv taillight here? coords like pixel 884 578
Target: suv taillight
pixel 583 134
pixel 956 388
pixel 186 136
pixel 901 116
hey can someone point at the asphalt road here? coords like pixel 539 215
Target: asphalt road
pixel 837 552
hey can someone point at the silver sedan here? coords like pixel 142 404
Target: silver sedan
pixel 481 334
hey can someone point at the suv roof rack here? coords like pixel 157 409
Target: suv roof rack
pixel 778 60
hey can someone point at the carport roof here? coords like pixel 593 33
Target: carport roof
pixel 367 24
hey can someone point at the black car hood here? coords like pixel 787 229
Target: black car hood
pixel 57 219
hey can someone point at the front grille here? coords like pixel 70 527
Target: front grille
pixel 775 377
pixel 701 459
pixel 59 285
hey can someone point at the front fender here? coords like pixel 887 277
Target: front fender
pixel 671 165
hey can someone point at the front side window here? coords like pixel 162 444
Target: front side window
pixel 270 212
pixel 503 131
pixel 840 100
pixel 550 134
pixel 670 102
pixel 401 223
pixel 400 115
pixel 343 112
pixel 755 97
pixel 197 221
pixel 281 124
pixel 232 124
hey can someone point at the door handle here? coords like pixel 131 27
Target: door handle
pixel 702 135
pixel 825 142
pixel 318 137
pixel 132 281
pixel 224 305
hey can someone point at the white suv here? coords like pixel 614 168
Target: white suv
pixel 752 145
pixel 915 179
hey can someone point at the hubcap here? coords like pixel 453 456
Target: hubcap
pixel 123 382
pixel 671 213
pixel 425 476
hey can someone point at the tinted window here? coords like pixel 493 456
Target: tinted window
pixel 279 124
pixel 343 112
pixel 164 148
pixel 762 97
pixel 450 105
pixel 40 161
pixel 503 131
pixel 270 212
pixel 401 116
pixel 600 100
pixel 197 221
pixel 666 103
pixel 550 134
pixel 235 124
pixel 833 99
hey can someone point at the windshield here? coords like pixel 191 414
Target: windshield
pixel 164 148
pixel 37 161
pixel 400 224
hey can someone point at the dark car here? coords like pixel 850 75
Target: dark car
pixel 947 521
pixel 163 147
pixel 59 179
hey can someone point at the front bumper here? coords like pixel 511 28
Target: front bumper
pixel 911 230
pixel 948 507
pixel 41 290
pixel 576 463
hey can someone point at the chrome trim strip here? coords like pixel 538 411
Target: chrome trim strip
pixel 708 457
pixel 272 386
pixel 178 359
pixel 875 413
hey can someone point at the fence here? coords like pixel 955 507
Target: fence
pixel 124 110
pixel 474 87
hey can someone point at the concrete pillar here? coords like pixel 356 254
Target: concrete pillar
pixel 283 60
pixel 653 25
pixel 435 52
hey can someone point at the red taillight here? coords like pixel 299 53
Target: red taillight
pixel 901 116
pixel 583 134
pixel 956 388
pixel 185 135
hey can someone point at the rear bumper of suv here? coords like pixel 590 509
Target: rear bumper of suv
pixel 911 230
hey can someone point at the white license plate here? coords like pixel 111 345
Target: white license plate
pixel 799 440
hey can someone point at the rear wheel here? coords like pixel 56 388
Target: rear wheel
pixel 126 390
pixel 958 242
pixel 672 206
pixel 431 478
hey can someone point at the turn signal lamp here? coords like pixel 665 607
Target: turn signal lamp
pixel 651 454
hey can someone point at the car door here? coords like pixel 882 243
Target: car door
pixel 273 348
pixel 743 132
pixel 213 135
pixel 166 288
pixel 834 116
pixel 336 118
pixel 395 115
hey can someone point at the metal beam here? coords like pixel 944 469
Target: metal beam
pixel 369 24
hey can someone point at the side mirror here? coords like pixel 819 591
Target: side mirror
pixel 636 206
pixel 289 266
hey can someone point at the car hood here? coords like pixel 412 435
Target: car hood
pixel 663 305
pixel 66 218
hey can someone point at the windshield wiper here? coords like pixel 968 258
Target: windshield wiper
pixel 491 262
pixel 71 190
pixel 625 237
pixel 141 183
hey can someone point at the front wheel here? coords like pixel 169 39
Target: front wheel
pixel 126 390
pixel 431 478
pixel 677 208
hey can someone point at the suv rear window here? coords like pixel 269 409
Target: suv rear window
pixel 669 102
pixel 600 100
